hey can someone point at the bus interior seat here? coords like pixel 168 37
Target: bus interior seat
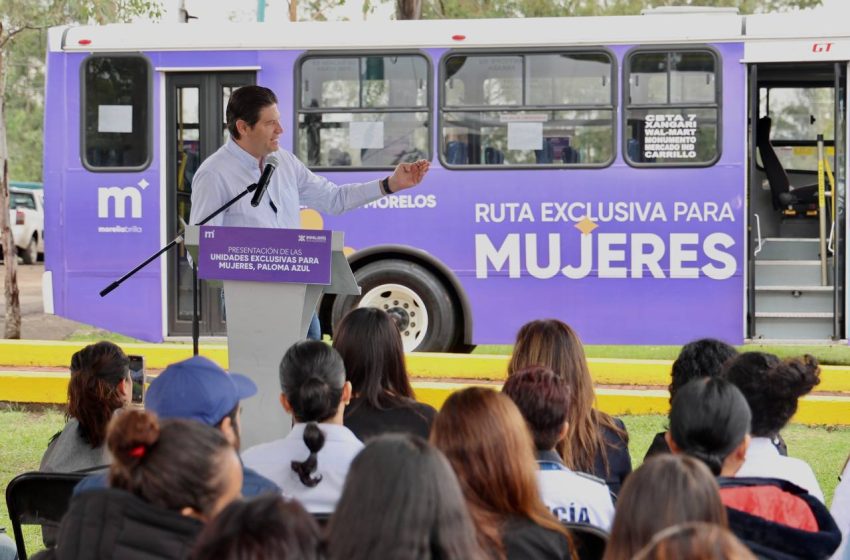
pixel 492 155
pixel 633 149
pixel 801 199
pixel 456 153
pixel 547 154
pixel 338 158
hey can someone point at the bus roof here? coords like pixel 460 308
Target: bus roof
pixel 770 33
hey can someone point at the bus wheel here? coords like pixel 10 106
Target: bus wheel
pixel 419 303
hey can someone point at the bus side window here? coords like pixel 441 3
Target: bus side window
pixel 672 111
pixel 116 114
pixel 528 109
pixel 363 110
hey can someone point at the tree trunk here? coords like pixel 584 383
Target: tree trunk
pixel 408 9
pixel 293 10
pixel 10 253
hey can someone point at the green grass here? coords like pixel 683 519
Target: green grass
pixel 88 333
pixel 22 442
pixel 26 433
pixel 826 354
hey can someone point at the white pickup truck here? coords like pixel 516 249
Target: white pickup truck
pixel 26 215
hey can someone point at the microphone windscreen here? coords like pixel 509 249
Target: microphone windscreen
pixel 271 160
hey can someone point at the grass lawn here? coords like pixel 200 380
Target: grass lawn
pixel 25 436
pixel 832 354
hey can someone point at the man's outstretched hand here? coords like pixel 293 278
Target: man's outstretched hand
pixel 408 175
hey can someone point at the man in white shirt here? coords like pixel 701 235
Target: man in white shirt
pixel 253 121
pixel 542 397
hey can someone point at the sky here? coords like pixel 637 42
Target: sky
pixel 278 10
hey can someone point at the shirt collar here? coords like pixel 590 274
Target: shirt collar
pixel 549 456
pixel 246 159
pixel 762 446
pixel 333 432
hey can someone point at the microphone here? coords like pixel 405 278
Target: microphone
pixel 263 183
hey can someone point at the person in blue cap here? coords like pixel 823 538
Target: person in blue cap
pixel 198 389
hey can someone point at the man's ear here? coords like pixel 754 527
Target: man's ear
pixel 228 430
pixel 242 127
pixel 284 402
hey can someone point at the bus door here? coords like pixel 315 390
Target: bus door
pixel 797 240
pixel 196 127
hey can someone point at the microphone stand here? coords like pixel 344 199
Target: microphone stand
pixel 196 319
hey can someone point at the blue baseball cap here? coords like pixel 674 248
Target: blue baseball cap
pixel 197 389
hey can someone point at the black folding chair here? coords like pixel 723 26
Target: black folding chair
pixel 37 498
pixel 589 541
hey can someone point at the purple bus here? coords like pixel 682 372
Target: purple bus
pixel 647 179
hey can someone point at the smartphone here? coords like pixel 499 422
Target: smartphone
pixel 137 373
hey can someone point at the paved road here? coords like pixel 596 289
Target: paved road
pixel 35 324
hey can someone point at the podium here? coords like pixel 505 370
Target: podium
pixel 273 279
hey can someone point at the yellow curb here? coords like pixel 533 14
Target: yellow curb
pixel 833 410
pixel 475 367
pixel 38 353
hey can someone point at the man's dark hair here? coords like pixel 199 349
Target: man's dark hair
pixel 543 398
pixel 701 358
pixel 245 104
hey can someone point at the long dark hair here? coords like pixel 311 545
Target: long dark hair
pixel 553 344
pixel 312 377
pixel 404 475
pixel 265 528
pixel 370 345
pixel 772 387
pixel 485 439
pixel 93 395
pixel 172 464
pixel 664 491
pixel 709 418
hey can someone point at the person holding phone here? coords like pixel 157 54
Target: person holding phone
pixel 100 384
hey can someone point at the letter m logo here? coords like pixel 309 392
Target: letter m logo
pixel 209 234
pixel 119 196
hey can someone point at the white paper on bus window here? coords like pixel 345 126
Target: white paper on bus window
pixel 525 136
pixel 368 135
pixel 115 118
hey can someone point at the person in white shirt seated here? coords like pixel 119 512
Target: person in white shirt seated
pixel 772 388
pixel 543 399
pixel 310 464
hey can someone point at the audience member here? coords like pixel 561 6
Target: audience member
pixel 198 389
pixel 100 384
pixel 710 420
pixel 841 511
pixel 369 342
pixel 166 480
pixel 596 443
pixel 543 398
pixel 311 462
pixel 695 541
pixel 266 528
pixel 772 388
pixel 490 449
pixel 665 491
pixel 701 358
pixel 401 500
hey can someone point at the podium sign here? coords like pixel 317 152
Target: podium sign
pixel 265 255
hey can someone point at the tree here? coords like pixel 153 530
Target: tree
pixel 23 22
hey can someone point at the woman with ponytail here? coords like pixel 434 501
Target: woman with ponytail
pixel 710 421
pixel 310 464
pixel 100 384
pixel 167 479
pixel 772 388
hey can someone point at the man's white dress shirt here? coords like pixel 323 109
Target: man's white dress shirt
pixel 231 169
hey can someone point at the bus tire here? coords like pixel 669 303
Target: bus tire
pixel 412 295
